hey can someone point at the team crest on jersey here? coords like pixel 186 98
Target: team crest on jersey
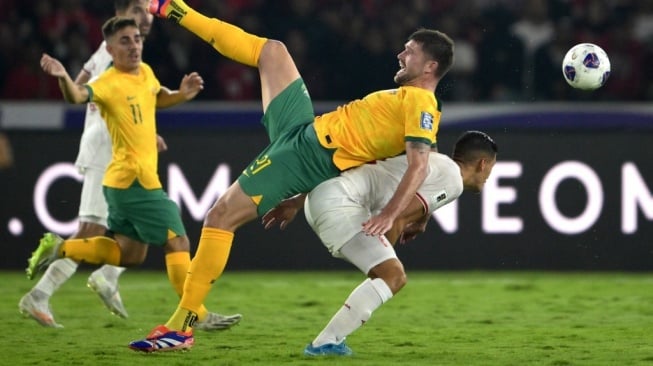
pixel 426 121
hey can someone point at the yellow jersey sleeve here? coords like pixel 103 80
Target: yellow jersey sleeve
pixel 379 125
pixel 128 105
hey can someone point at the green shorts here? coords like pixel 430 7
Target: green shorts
pixel 294 162
pixel 291 108
pixel 146 215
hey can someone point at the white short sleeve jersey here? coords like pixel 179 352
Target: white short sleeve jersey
pixel 95 144
pixel 336 208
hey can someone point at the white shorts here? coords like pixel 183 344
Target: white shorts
pixel 337 220
pixel 366 252
pixel 92 205
pixel 333 215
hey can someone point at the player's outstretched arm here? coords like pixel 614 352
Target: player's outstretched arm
pixel 190 86
pixel 72 92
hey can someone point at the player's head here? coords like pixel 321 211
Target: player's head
pixel 124 42
pixel 476 153
pixel 427 52
pixel 136 9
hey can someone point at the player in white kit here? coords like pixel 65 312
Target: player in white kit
pixel 337 208
pixel 92 159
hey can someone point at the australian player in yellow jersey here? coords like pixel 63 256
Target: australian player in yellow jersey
pixel 304 150
pixel 140 212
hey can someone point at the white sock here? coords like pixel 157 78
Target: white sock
pixel 111 273
pixel 57 273
pixel 358 308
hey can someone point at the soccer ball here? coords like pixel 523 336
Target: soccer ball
pixel 586 66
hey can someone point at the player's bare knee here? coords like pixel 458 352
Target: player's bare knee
pixel 394 275
pixel 272 52
pixel 396 280
pixel 232 210
pixel 216 215
pixel 400 281
pixel 392 272
pixel 277 68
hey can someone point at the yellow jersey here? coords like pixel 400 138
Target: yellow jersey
pixel 128 105
pixel 379 125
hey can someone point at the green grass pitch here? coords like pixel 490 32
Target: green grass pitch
pixel 440 318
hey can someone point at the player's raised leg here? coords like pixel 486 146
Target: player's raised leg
pixel 276 67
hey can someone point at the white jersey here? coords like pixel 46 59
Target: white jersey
pixel 95 144
pixel 336 208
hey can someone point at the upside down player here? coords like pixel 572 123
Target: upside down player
pixel 306 150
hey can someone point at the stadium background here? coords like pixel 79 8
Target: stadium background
pixel 506 81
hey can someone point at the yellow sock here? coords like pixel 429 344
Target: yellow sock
pixel 95 250
pixel 177 264
pixel 229 40
pixel 207 265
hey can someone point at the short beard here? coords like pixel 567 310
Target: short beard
pixel 401 79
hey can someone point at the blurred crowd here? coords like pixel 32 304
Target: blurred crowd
pixel 506 50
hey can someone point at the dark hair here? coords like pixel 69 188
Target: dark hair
pixel 437 45
pixel 472 145
pixel 115 24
